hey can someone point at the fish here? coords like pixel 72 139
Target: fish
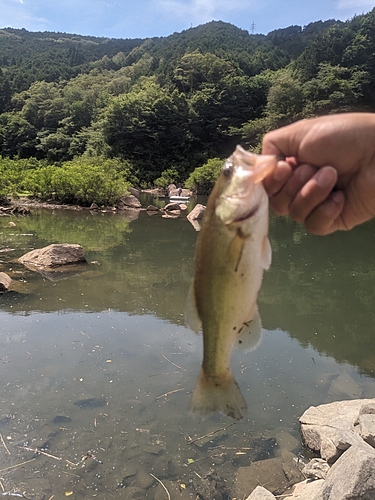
pixel 231 253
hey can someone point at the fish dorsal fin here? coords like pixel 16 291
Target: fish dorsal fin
pixel 266 256
pixel 250 334
pixel 192 319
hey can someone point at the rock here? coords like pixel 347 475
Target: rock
pixel 285 441
pixel 261 493
pixel 317 468
pixel 129 201
pixel 183 207
pixel 352 476
pixel 197 212
pixel 5 282
pixel 196 224
pixel 343 386
pixel 94 206
pixel 163 467
pixel 170 207
pixel 152 208
pixel 367 428
pixel 144 480
pixel 269 472
pixel 290 467
pixel 54 255
pixel 368 408
pixel 132 492
pixel 171 215
pixel 330 428
pixel 134 192
pixel 307 490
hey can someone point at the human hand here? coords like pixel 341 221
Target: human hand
pixel 327 180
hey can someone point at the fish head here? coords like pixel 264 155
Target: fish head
pixel 240 189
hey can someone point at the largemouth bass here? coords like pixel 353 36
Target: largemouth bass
pixel 231 253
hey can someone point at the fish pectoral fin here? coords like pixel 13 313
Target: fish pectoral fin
pixel 192 319
pixel 266 256
pixel 219 393
pixel 250 335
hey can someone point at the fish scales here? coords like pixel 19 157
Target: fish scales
pixel 231 253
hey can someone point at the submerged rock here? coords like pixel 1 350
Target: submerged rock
pixel 54 255
pixel 91 402
pixel 269 472
pixel 5 282
pixel 152 208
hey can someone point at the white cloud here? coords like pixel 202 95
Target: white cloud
pixel 200 11
pixel 356 4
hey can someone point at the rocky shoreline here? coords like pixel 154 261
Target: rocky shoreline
pixel 343 435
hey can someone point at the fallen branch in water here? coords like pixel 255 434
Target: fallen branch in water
pixel 17 465
pixel 167 492
pixel 4 444
pixel 35 450
pixel 170 392
pixel 174 364
pixel 211 433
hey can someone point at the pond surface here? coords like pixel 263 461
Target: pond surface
pixel 97 366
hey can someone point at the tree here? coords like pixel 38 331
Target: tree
pixel 149 127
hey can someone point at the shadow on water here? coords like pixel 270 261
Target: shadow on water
pixel 97 367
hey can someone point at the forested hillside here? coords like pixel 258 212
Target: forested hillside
pixel 162 107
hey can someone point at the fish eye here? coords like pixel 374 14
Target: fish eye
pixel 228 169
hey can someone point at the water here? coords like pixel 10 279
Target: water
pixel 98 363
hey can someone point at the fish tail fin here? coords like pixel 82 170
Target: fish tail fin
pixel 219 393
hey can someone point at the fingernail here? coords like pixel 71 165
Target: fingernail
pixel 326 177
pixel 337 197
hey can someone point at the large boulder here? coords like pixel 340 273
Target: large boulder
pixel 352 477
pixel 54 255
pixel 197 213
pixel 330 429
pixel 130 201
pixel 170 207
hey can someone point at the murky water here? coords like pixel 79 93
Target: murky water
pixel 97 367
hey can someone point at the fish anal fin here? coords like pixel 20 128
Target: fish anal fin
pixel 266 256
pixel 192 319
pixel 250 334
pixel 219 393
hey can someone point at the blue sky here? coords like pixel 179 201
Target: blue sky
pixel 148 18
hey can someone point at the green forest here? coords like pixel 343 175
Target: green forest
pixel 83 118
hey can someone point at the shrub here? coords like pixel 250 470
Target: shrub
pixel 203 178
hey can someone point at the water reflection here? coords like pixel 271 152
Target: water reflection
pixel 114 334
